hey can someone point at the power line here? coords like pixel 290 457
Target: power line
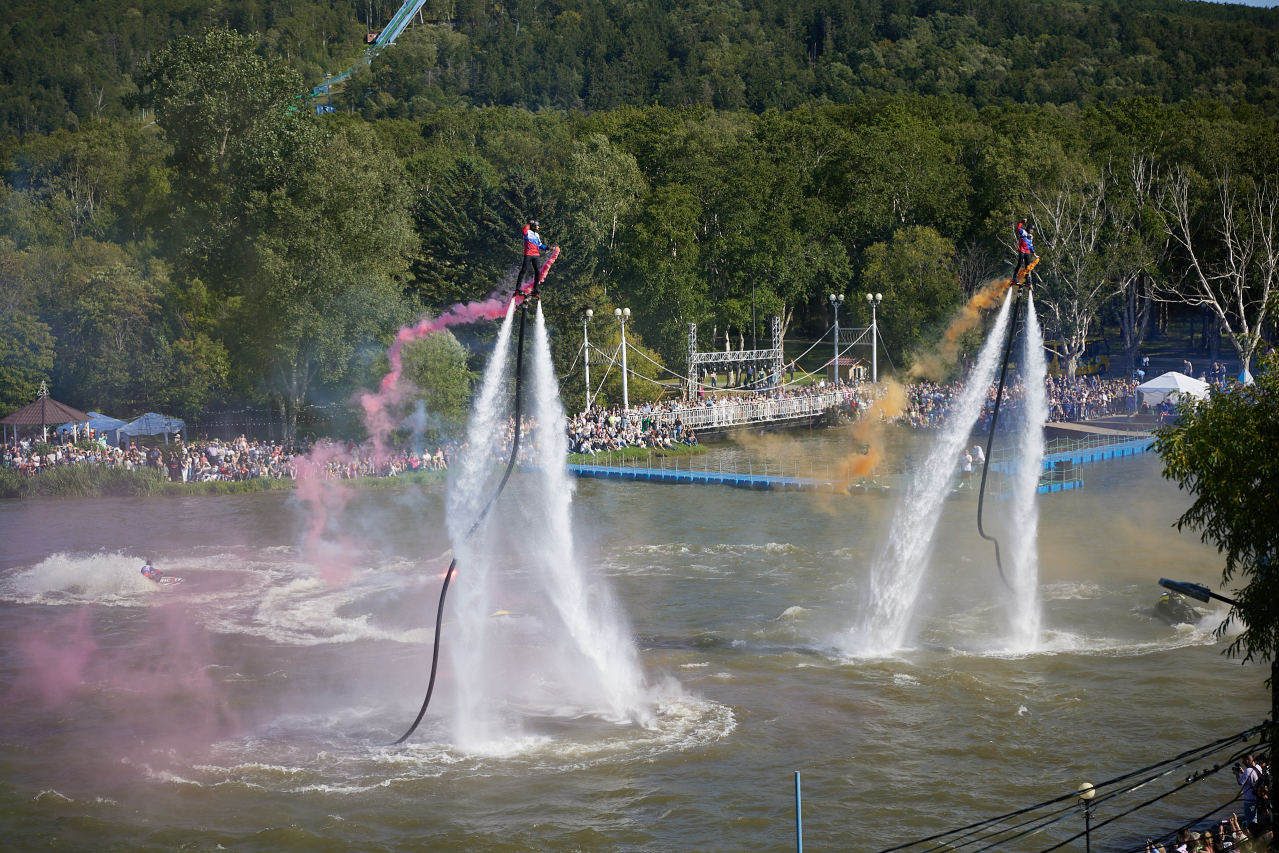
pixel 1143 776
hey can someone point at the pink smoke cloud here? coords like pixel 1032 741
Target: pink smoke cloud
pixel 330 550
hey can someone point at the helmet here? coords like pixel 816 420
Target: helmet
pixel 534 223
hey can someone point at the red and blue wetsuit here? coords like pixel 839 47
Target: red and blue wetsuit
pixel 532 243
pixel 1025 247
pixel 533 246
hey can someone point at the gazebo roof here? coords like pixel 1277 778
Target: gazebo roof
pixel 45 410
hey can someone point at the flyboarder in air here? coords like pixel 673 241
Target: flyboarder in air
pixel 533 246
pixel 1025 249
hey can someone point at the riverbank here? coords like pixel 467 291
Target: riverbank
pixel 93 481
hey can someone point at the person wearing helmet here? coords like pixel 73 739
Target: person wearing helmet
pixel 1025 247
pixel 533 246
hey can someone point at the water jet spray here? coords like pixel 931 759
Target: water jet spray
pixel 521 298
pixel 1021 282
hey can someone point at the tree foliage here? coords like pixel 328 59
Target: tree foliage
pixel 1225 452
pixel 201 237
pixel 437 368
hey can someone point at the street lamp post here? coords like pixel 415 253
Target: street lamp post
pixel 1086 793
pixel 1199 592
pixel 586 356
pixel 836 300
pixel 874 300
pixel 622 315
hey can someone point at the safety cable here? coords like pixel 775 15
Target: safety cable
pixel 990 437
pixel 1192 780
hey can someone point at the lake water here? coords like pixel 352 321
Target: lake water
pixel 251 707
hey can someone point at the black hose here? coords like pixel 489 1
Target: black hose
pixel 444 589
pixel 990 437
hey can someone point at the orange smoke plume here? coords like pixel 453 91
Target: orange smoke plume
pixel 936 364
pixel 869 432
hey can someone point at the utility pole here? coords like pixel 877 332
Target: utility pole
pixel 622 315
pixel 586 357
pixel 835 302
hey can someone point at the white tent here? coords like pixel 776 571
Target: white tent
pixel 152 424
pixel 1172 385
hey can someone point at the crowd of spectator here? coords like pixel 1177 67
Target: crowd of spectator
pixel 205 461
pixel 1253 832
pixel 1083 398
pixel 656 426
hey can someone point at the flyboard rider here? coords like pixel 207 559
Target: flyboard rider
pixel 533 247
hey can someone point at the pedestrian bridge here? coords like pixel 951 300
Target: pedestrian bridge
pixel 724 413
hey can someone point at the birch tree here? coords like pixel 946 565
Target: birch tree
pixel 1230 248
pixel 1068 238
pixel 1138 246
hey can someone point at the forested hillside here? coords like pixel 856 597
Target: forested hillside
pixel 762 54
pixel 190 238
pixel 63 63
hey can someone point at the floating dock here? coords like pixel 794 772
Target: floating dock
pixel 1062 463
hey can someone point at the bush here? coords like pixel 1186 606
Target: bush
pixel 86 481
pixel 12 484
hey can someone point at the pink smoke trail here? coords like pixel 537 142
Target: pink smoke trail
pixel 156 688
pixel 378 407
pixel 330 550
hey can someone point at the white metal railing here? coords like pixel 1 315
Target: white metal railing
pixel 725 413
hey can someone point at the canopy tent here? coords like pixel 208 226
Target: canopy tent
pixel 101 424
pixel 45 411
pixel 1172 385
pixel 153 424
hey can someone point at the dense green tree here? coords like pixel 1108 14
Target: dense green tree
pixel 324 284
pixel 26 358
pixel 916 274
pixel 436 367
pixel 1225 453
pixel 464 243
pixel 237 130
pixel 662 276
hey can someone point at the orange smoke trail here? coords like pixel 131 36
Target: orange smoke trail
pixel 936 364
pixel 869 431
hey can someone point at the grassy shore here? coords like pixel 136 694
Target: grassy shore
pixel 95 481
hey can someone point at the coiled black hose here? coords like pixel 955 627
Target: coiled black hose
pixel 448 575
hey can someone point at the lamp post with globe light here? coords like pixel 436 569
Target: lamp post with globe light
pixel 622 315
pixel 1086 793
pixel 836 300
pixel 874 300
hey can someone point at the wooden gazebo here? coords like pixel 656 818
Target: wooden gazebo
pixel 44 412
